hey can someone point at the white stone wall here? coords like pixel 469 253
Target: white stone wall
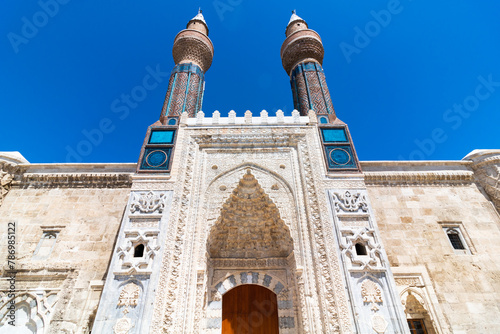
pixel 64 239
pixel 460 290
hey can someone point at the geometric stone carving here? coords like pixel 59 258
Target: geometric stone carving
pixel 348 202
pixel 371 293
pixel 283 295
pixel 128 264
pixel 34 311
pixel 249 225
pixel 372 260
pixel 147 202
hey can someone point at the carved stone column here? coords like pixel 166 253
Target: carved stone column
pixel 125 306
pixel 375 303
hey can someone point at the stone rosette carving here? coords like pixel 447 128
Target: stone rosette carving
pixel 122 325
pixel 350 202
pixel 147 202
pixel 371 294
pixel 379 324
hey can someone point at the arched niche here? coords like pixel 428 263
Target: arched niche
pixel 417 309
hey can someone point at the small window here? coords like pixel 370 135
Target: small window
pixel 455 239
pixel 162 137
pixel 139 250
pixel 417 326
pixel 333 135
pixel 360 249
pixel 46 244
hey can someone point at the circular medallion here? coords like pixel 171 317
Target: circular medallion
pixel 156 158
pixel 339 156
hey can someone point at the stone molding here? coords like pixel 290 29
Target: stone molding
pixel 67 180
pixel 284 139
pixel 268 263
pixel 419 178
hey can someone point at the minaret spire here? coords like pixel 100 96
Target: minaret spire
pixel 302 56
pixel 193 52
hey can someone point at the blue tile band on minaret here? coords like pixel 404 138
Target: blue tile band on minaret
pixel 185 90
pixel 309 89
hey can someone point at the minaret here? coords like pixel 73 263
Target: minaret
pixel 302 55
pixel 193 53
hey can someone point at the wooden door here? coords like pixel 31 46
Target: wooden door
pixel 250 309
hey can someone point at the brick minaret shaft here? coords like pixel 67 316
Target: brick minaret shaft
pixel 193 53
pixel 302 55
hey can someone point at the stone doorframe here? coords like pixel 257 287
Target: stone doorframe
pixel 286 296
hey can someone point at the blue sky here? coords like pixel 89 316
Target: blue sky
pixel 413 79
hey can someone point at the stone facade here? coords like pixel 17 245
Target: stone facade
pixel 458 290
pixel 271 200
pixel 70 244
pixel 66 221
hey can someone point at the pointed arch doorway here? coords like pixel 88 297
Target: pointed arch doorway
pixel 250 309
